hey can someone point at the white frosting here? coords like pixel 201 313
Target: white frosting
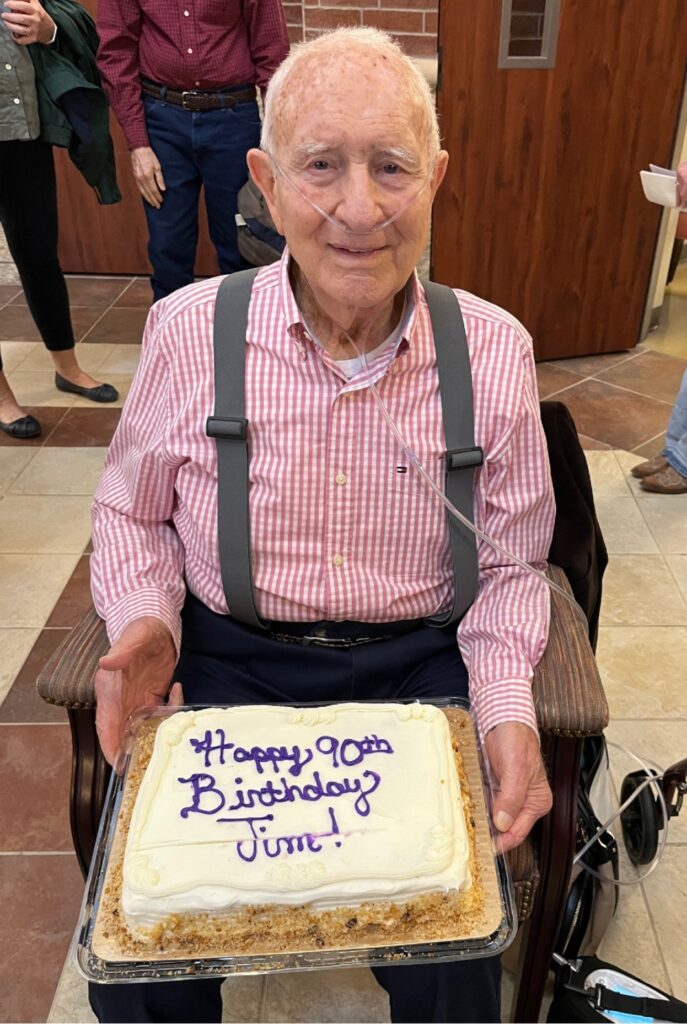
pixel 378 817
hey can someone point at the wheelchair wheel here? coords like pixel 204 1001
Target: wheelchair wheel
pixel 641 820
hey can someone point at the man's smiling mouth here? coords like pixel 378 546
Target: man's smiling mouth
pixel 350 250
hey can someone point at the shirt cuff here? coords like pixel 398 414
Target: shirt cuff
pixel 136 135
pixel 147 601
pixel 504 700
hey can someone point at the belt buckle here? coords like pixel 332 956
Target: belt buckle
pixel 320 639
pixel 185 93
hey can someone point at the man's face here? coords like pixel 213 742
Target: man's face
pixel 356 150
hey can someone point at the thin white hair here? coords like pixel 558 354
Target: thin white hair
pixel 281 96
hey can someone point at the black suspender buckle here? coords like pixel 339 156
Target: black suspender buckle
pixel 230 428
pixel 464 458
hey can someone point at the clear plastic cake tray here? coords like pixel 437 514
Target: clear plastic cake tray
pixel 103 952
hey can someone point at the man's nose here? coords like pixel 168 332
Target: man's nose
pixel 360 203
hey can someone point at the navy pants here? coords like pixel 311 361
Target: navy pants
pixel 223 662
pixel 195 149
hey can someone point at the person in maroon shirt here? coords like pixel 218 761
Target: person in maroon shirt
pixel 181 79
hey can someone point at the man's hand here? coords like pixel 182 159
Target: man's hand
pixel 148 175
pixel 682 185
pixel 136 672
pixel 28 22
pixel 523 795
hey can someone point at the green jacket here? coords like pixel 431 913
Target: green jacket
pixel 73 110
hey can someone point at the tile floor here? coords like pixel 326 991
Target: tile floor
pixel 620 402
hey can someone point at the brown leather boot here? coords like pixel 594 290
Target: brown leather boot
pixel 668 481
pixel 649 468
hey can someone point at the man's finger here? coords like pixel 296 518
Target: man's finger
pixel 159 179
pixel 108 714
pixel 518 832
pixel 176 696
pixel 118 656
pixel 510 800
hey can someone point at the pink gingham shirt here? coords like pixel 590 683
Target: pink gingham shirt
pixel 337 531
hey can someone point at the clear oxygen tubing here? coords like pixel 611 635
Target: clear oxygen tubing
pixel 407 450
pixel 441 496
pixel 648 781
pixel 340 225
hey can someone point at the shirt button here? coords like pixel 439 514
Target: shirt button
pixel 8 67
pixel 197 83
pixel 337 560
pixel 186 14
pixel 16 100
pixel 189 50
pixel 341 479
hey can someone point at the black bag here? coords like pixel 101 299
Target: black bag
pixel 591 903
pixel 589 989
pixel 258 239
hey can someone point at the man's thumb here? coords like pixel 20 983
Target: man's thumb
pixel 118 656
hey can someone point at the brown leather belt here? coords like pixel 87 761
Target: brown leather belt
pixel 197 100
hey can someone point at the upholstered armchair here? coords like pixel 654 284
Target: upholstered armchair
pixel 570 705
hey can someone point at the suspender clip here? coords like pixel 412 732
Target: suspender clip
pixel 229 428
pixel 464 458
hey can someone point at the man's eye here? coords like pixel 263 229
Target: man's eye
pixel 391 169
pixel 321 165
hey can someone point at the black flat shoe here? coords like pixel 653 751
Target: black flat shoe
pixel 102 393
pixel 23 428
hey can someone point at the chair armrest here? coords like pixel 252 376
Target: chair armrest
pixel 67 677
pixel 568 695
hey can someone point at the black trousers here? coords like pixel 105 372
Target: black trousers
pixel 223 662
pixel 28 214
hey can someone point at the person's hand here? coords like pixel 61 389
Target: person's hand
pixel 136 672
pixel 523 795
pixel 28 22
pixel 682 185
pixel 148 175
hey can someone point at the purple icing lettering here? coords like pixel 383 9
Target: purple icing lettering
pixel 274 756
pixel 362 804
pixel 328 745
pixel 203 785
pixel 350 751
pixel 251 846
pixel 207 747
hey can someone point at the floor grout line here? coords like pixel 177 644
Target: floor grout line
pixel 95 324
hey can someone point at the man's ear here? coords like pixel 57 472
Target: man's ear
pixel 260 168
pixel 439 171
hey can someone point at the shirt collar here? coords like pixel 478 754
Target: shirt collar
pixel 295 324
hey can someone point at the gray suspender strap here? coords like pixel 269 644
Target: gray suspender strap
pixel 229 428
pixel 455 387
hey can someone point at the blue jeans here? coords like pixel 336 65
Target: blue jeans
pixel 224 662
pixel 209 149
pixel 675 450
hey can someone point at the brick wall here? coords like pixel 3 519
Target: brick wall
pixel 412 22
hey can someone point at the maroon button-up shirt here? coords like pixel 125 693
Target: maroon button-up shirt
pixel 185 44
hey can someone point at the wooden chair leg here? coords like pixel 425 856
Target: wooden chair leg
pixel 556 851
pixel 90 776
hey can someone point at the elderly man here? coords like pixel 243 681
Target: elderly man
pixel 345 540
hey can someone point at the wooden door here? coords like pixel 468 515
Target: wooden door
pixel 98 239
pixel 542 210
